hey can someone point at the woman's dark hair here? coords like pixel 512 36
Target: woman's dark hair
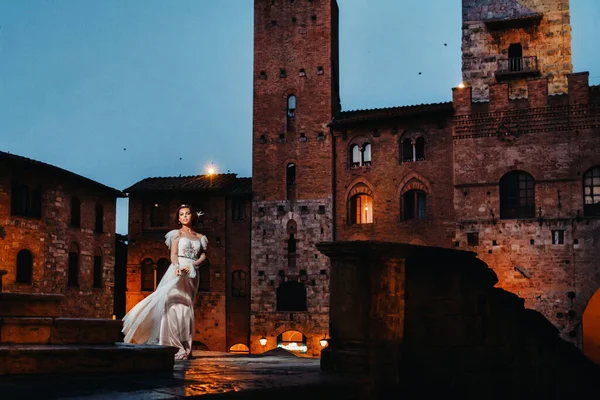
pixel 194 216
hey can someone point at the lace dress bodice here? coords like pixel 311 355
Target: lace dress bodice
pixel 189 248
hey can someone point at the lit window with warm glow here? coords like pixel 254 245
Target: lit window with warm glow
pixel 361 209
pixel 293 341
pixel 239 349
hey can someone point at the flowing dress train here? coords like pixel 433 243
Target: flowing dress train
pixel 166 316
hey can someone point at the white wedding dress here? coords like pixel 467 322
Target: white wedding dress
pixel 166 316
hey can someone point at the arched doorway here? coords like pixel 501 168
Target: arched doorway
pixel 591 328
pixel 293 341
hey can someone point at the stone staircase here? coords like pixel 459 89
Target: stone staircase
pixel 35 339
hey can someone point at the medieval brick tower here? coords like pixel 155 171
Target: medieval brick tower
pixel 295 98
pixel 510 40
pixel 525 134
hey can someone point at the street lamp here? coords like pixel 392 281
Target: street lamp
pixel 210 171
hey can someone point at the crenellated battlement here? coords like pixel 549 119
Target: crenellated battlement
pixel 579 92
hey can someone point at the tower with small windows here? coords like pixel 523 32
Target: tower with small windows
pixel 511 41
pixel 295 98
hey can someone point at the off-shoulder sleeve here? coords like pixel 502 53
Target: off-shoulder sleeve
pixel 170 236
pixel 204 242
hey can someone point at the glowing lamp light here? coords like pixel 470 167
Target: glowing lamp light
pixel 461 85
pixel 263 341
pixel 323 342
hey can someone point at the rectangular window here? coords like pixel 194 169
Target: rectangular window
pixel 204 277
pixel 73 275
pixel 158 214
pixel 97 271
pixel 558 236
pixel 238 210
pixel 238 284
pixel 473 238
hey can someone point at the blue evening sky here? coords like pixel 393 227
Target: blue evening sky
pixel 118 91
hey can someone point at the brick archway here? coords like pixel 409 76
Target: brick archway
pixel 591 328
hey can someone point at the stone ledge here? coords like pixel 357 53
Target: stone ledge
pixel 81 359
pixel 30 304
pixel 15 330
pixel 86 331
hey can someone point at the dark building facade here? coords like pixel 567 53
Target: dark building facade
pixel 510 169
pixel 57 235
pixel 223 301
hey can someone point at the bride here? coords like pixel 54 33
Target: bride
pixel 166 316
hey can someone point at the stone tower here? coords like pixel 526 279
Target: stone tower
pixel 295 97
pixel 510 40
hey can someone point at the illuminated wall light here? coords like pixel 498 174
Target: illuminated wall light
pixel 262 341
pixel 323 342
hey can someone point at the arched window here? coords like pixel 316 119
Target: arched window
pixel 591 192
pixel 98 269
pixel 515 57
pixel 366 154
pixel 99 225
pixel 414 205
pixel 291 111
pixel 292 228
pixel 75 212
pixel 161 268
pixel 147 268
pixel 291 296
pixel 73 268
pixel 517 197
pixel 238 284
pixel 407 151
pixel 420 149
pixel 290 180
pixel 24 266
pixel 291 106
pixel 239 348
pixel 361 209
pixel 355 156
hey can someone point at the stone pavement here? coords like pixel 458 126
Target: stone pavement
pixel 212 375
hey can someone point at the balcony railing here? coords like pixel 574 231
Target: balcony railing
pixel 517 67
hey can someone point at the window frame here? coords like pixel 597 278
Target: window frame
pixel 24 267
pixel 511 195
pixel 591 209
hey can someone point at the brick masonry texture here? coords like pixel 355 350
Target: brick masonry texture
pixel 292 37
pixel 48 238
pixel 545 124
pixel 548 39
pixel 221 320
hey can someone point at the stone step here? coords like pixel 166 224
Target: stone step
pixel 30 304
pixel 83 359
pixel 25 330
pixel 45 330
pixel 86 331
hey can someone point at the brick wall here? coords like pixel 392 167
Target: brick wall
pixel 300 39
pixel 556 144
pixel 549 40
pixel 228 249
pixel 389 176
pixel 49 237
